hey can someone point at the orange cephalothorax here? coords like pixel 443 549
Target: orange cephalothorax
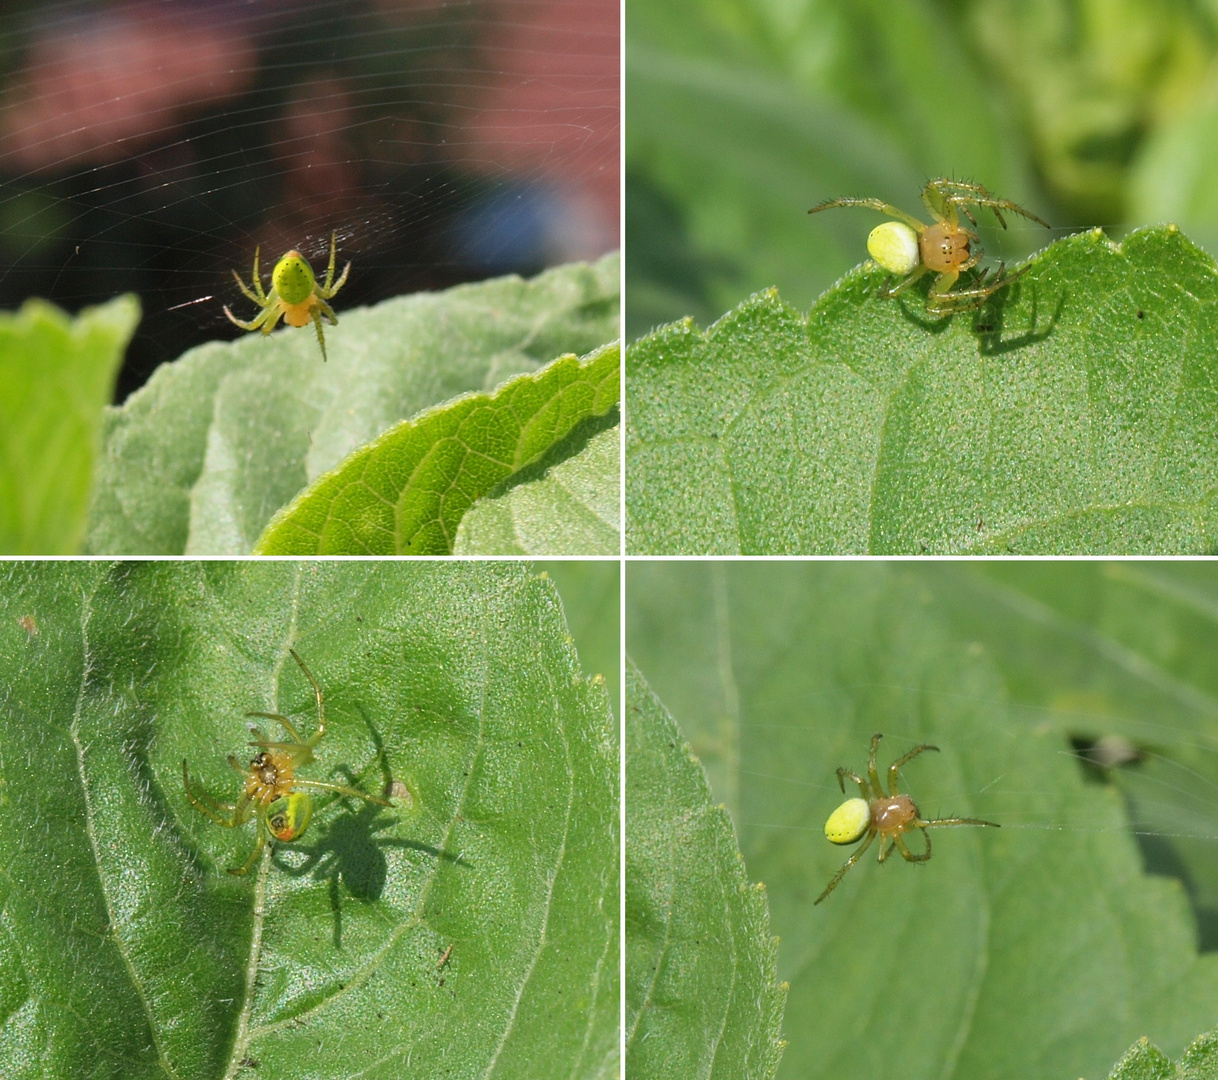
pixel 891 814
pixel 269 777
pixel 945 247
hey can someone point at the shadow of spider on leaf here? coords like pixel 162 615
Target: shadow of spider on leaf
pixel 350 854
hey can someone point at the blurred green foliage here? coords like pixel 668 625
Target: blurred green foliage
pixel 743 113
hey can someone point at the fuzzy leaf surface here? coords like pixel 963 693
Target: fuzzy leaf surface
pixel 1075 414
pixel 701 994
pixel 570 508
pixel 200 459
pixel 406 492
pixel 1145 1061
pixel 127 951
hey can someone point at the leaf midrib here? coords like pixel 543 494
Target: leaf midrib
pixel 243 1034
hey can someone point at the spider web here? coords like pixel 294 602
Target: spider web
pixel 152 146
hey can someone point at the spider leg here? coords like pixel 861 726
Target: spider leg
pixel 241 871
pixel 841 782
pixel 892 769
pixel 256 280
pixel 326 310
pixel 872 204
pixel 842 872
pixel 242 769
pixel 872 774
pixel 956 821
pixel 207 805
pixel 274 314
pixel 291 730
pixel 935 201
pixel 908 855
pixel 256 323
pixel 956 193
pixel 240 812
pixel 321 337
pixel 326 290
pixel 971 298
pixel 297 782
pixel 315 738
pixel 330 268
pixel 942 285
pixel 245 289
pixel 959 192
pixel 975 253
pixel 998 205
pixel 330 290
pixel 887 294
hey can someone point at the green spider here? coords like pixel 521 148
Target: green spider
pixel 946 248
pixel 270 794
pixel 295 294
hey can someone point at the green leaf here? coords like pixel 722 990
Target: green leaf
pixel 1150 617
pixel 591 600
pixel 701 996
pixel 572 507
pixel 201 458
pixel 1142 1061
pixel 1076 413
pixel 1037 949
pixel 56 374
pixel 125 948
pixel 406 492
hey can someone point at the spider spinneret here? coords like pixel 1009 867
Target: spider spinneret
pixel 946 248
pixel 886 814
pixel 270 791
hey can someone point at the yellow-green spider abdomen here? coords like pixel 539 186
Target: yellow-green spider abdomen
pixel 293 278
pixel 894 245
pixel 849 821
pixel 288 817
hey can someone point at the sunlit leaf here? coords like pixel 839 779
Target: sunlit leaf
pixel 56 374
pixel 701 995
pixel 406 492
pixel 591 600
pixel 570 508
pixel 468 930
pixel 1076 413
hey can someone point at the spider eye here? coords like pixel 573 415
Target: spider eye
pixel 894 245
pixel 848 822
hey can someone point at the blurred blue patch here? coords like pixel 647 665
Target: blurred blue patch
pixel 510 229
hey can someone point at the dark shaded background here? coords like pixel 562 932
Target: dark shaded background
pixel 151 146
